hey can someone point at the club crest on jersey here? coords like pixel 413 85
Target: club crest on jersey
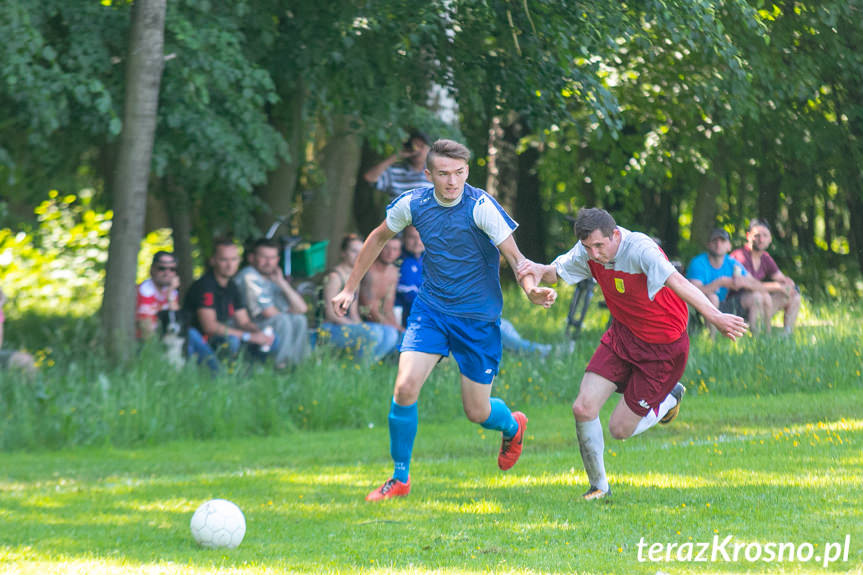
pixel 618 284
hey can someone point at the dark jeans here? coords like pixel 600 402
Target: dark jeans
pixel 208 352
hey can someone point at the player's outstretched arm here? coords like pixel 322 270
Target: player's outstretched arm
pixel 543 296
pixel 729 325
pixel 371 248
pixel 542 273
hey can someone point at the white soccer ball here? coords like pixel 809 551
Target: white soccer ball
pixel 218 523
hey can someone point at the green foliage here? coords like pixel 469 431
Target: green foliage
pixel 634 106
pixel 157 240
pixel 59 266
pixel 215 142
pixel 59 91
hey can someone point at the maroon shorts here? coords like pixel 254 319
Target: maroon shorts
pixel 644 372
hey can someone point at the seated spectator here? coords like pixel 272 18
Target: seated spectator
pixel 158 293
pixel 726 283
pixel 20 360
pixel 378 289
pixel 410 272
pixel 218 318
pixel 369 340
pixel 404 170
pixel 784 294
pixel 272 302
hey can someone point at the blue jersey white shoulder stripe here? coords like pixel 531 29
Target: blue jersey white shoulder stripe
pixel 461 262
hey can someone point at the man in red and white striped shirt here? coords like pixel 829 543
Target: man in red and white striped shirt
pixel 643 353
pixel 157 293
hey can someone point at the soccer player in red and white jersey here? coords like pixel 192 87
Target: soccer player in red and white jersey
pixel 643 353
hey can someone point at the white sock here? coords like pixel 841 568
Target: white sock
pixel 592 445
pixel 652 417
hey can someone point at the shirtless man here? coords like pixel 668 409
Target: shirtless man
pixel 378 288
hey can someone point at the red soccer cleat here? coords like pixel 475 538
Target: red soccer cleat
pixel 392 487
pixel 510 449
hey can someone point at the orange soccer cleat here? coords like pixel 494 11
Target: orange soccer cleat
pixel 392 487
pixel 510 448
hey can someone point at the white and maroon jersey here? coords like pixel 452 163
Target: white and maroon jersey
pixel 151 301
pixel 633 285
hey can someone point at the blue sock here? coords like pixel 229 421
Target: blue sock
pixel 501 418
pixel 403 430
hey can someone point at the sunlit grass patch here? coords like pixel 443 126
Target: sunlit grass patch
pixel 109 510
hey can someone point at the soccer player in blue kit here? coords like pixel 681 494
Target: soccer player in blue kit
pixel 458 307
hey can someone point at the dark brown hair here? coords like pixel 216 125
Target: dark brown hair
pixel 346 241
pixel 590 219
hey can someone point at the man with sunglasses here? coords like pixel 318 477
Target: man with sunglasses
pixel 157 293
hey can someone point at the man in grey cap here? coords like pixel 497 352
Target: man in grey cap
pixel 726 283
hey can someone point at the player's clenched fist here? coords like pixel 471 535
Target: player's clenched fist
pixel 342 303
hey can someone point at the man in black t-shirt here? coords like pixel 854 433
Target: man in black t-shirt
pixel 218 317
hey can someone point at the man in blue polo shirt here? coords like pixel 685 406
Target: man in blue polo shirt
pixel 725 282
pixel 458 307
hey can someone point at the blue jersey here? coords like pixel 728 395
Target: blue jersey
pixel 700 269
pixel 410 279
pixel 461 264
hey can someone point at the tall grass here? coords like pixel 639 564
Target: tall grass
pixel 78 398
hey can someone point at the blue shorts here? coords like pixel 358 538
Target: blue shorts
pixel 475 344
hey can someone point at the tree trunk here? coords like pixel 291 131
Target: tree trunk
pixel 811 215
pixel 828 221
pixel 768 179
pixel 706 200
pixel 663 216
pixel 705 209
pixel 143 76
pixel 850 166
pixel 327 215
pixel 278 194
pixel 855 209
pixel 495 139
pixel 369 202
pixel 532 219
pixel 180 210
pixel 513 181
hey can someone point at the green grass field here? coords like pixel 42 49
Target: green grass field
pixel 102 467
pixel 778 469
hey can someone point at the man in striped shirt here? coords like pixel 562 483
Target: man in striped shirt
pixel 404 170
